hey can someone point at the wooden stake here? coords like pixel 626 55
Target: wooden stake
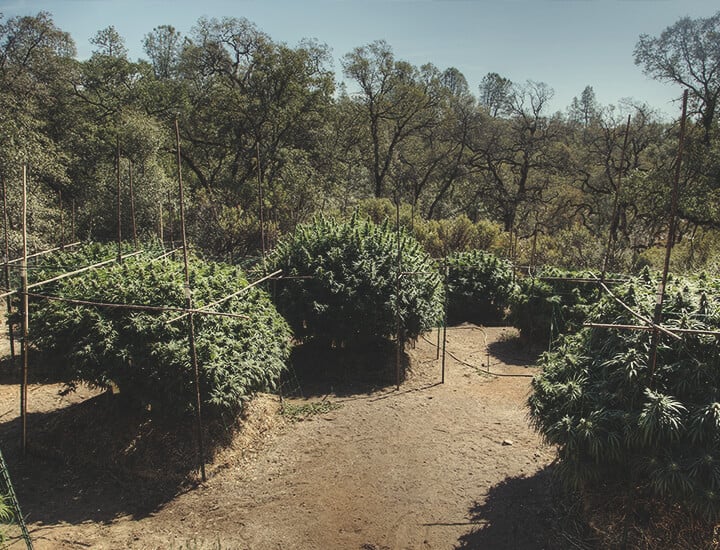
pixel 62 220
pixel 160 218
pixel 444 338
pixel 398 318
pixel 188 304
pixel 72 221
pixel 8 300
pixel 25 317
pixel 119 205
pixel 660 297
pixel 132 205
pixel 260 195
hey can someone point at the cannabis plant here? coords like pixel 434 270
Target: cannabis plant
pixel 616 415
pixel 347 292
pixel 479 286
pixel 146 354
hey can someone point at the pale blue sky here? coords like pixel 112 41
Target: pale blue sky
pixel 566 43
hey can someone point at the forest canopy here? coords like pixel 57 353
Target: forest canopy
pixel 269 138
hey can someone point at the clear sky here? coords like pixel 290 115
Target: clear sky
pixel 569 44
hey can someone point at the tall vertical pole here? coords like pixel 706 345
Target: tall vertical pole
pixel 445 316
pixel 25 316
pixel 119 204
pixel 260 199
pixel 189 305
pixel 398 318
pixel 8 299
pixel 62 220
pixel 660 296
pixel 160 223
pixel 132 205
pixel 72 221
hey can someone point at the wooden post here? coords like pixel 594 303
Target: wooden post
pixel 660 297
pixel 160 218
pixel 119 205
pixel 132 205
pixel 25 317
pixel 437 344
pixel 62 221
pixel 8 299
pixel 189 305
pixel 260 199
pixel 444 339
pixel 72 220
pixel 398 318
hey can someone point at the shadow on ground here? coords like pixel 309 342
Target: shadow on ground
pixel 96 461
pixel 515 351
pixel 516 515
pixel 318 371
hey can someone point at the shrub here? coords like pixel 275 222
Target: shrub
pixel 612 418
pixel 479 286
pixel 350 295
pixel 146 357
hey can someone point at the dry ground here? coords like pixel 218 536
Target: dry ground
pixel 433 465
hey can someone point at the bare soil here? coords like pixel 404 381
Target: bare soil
pixel 432 465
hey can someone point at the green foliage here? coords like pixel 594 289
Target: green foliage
pixel 301 412
pixel 612 418
pixel 351 293
pixel 144 355
pixel 6 515
pixel 438 237
pixel 545 307
pixel 480 286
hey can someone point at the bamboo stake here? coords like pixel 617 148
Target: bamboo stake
pixel 230 296
pixel 69 274
pixel 8 300
pixel 81 270
pixel 132 205
pixel 72 221
pixel 119 204
pixel 25 316
pixel 657 318
pixel 188 304
pixel 705 332
pixel 635 313
pixel 62 220
pixel 43 252
pixel 160 223
pixel 444 338
pixel 137 307
pixel 398 318
pixel 260 195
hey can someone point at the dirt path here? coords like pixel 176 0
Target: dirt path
pixel 434 465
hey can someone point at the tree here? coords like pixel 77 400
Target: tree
pixel 163 46
pixel 687 53
pixel 35 67
pixel 495 93
pixel 585 109
pixel 514 156
pixel 395 102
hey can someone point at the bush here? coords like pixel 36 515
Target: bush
pixel 544 308
pixel 479 287
pixel 350 295
pixel 613 419
pixel 438 237
pixel 146 357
